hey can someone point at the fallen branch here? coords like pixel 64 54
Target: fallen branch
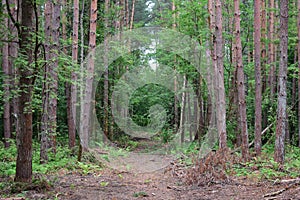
pixel 294 181
pixel 272 194
pixel 263 132
pixel 251 143
pixel 291 183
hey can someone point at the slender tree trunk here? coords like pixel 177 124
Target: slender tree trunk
pixel 127 14
pixel 106 73
pixel 271 60
pixel 13 54
pixel 45 143
pixel 132 15
pixel 52 25
pixel 282 78
pixel 7 76
pixel 182 112
pixel 263 44
pixel 240 81
pixel 54 73
pixel 81 79
pixel 24 138
pixel 73 97
pixel 221 103
pixel 257 61
pixel 176 115
pixel 298 27
pixel 86 110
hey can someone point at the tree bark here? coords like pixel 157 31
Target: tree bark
pixel 13 54
pixel 240 81
pixel 182 112
pixel 271 57
pixel 221 103
pixel 7 76
pixel 106 73
pixel 258 89
pixel 86 110
pixel 50 86
pixel 176 115
pixel 73 97
pixel 298 27
pixel 45 140
pixel 53 73
pixel 263 44
pixel 24 138
pixel 282 78
pixel 132 15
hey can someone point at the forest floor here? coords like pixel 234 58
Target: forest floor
pixel 169 179
pixel 159 185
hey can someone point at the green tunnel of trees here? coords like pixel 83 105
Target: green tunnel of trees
pixel 253 47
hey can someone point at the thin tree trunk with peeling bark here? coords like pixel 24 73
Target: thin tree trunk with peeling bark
pixel 271 50
pixel 86 109
pixel 221 103
pixel 176 116
pixel 132 15
pixel 13 54
pixel 127 14
pixel 7 76
pixel 240 83
pixel 258 89
pixel 54 73
pixel 298 27
pixel 282 78
pixel 263 44
pixel 49 118
pixel 45 140
pixel 73 88
pixel 183 110
pixel 106 72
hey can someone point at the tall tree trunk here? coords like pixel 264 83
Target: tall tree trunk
pixel 73 97
pixel 7 76
pixel 263 57
pixel 85 115
pixel 298 27
pixel 127 14
pixel 282 78
pixel 176 115
pixel 271 57
pixel 182 112
pixel 263 44
pixel 132 15
pixel 13 54
pixel 50 87
pixel 45 143
pixel 24 138
pixel 54 73
pixel 221 103
pixel 258 92
pixel 106 73
pixel 240 81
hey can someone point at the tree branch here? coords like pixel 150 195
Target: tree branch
pixel 16 24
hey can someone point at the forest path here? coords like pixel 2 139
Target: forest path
pixel 161 177
pixel 162 185
pixel 148 156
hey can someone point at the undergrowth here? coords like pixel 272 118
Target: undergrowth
pixel 63 162
pixel 223 165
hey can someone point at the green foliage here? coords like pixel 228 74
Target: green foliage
pixel 166 135
pixel 265 168
pixel 140 194
pixel 63 159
